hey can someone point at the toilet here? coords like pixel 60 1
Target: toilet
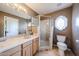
pixel 61 45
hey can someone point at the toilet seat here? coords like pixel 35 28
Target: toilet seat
pixel 61 45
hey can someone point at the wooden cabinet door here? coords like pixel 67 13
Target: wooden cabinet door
pixel 27 51
pixel 30 50
pixel 35 46
pixel 17 54
pixel 24 51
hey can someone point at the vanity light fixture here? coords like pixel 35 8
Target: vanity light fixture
pixel 17 7
pixel 29 24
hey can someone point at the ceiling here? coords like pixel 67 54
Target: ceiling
pixel 45 8
pixel 40 8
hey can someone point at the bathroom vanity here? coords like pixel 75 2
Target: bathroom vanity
pixel 20 46
pixel 17 37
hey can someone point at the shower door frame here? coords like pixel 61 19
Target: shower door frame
pixel 50 43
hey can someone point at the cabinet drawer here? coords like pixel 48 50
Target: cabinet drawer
pixel 34 40
pixel 34 48
pixel 26 51
pixel 17 54
pixel 11 51
pixel 27 43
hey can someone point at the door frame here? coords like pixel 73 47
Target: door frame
pixel 4 23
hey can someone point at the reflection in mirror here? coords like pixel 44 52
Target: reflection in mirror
pixel 29 27
pixel 10 26
pixel 33 25
pixel 23 26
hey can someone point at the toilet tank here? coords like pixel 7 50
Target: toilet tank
pixel 61 38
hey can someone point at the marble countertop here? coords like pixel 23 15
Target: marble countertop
pixel 15 41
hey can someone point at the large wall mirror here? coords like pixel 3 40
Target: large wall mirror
pixel 61 23
pixel 10 26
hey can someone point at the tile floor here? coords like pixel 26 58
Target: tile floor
pixel 53 52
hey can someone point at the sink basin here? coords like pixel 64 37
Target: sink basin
pixel 2 39
pixel 13 41
pixel 2 45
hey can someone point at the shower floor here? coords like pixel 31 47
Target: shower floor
pixel 44 44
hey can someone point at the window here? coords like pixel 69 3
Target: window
pixel 77 21
pixel 61 23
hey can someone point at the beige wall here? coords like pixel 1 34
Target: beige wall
pixel 1 25
pixel 68 31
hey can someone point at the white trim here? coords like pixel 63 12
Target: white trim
pixel 4 22
pixel 4 25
